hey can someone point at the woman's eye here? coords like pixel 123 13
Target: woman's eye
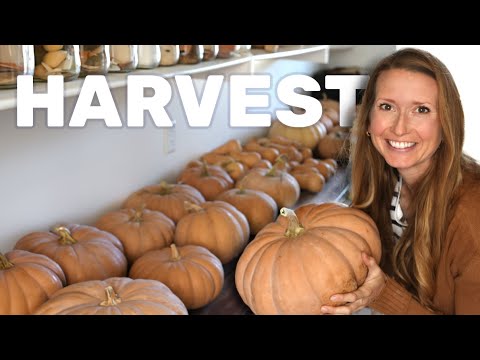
pixel 423 110
pixel 386 107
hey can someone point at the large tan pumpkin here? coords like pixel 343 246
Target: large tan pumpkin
pixel 27 280
pixel 216 225
pixel 336 145
pixel 259 208
pixel 192 272
pixel 83 252
pixel 166 198
pixel 294 265
pixel 114 296
pixel 308 136
pixel 139 230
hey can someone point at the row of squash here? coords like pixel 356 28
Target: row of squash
pixel 170 239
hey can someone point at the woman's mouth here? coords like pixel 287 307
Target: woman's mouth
pixel 401 145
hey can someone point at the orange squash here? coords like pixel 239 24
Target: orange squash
pixel 216 225
pixel 294 266
pixel 335 145
pixel 308 136
pixel 27 280
pixel 139 230
pixel 114 296
pixel 83 252
pixel 166 198
pixel 192 272
pixel 259 208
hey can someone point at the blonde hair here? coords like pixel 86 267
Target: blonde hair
pixel 413 260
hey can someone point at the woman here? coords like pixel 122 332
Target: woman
pixel 410 175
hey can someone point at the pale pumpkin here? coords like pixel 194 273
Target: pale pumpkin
pixel 216 225
pixel 166 198
pixel 139 230
pixel 308 136
pixel 294 265
pixel 114 296
pixel 27 280
pixel 259 208
pixel 192 272
pixel 83 252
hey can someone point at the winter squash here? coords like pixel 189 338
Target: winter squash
pixel 308 136
pixel 114 296
pixel 192 272
pixel 83 252
pixel 259 208
pixel 216 225
pixel 139 230
pixel 280 185
pixel 294 265
pixel 210 180
pixel 27 280
pixel 166 198
pixel 335 145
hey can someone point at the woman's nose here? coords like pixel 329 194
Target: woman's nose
pixel 399 127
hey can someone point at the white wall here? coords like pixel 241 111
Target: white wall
pixel 462 61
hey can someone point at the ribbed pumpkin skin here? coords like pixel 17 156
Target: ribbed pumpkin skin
pixel 31 281
pixel 308 136
pixel 259 208
pixel 210 180
pixel 218 226
pixel 192 272
pixel 280 185
pixel 138 230
pixel 96 255
pixel 277 274
pixel 137 297
pixel 166 198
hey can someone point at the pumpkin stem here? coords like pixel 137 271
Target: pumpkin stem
pixel 241 190
pixel 272 171
pixel 294 227
pixel 65 235
pixel 175 253
pixel 165 188
pixel 138 216
pixel 4 263
pixel 204 169
pixel 112 297
pixel 191 207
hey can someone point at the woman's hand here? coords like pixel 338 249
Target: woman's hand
pixel 364 295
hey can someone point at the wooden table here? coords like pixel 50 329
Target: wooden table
pixel 229 301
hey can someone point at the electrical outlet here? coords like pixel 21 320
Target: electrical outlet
pixel 169 140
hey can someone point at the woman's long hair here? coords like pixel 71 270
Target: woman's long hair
pixel 414 258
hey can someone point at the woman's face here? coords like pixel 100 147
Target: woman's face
pixel 404 123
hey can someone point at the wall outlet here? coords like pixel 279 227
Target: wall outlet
pixel 169 140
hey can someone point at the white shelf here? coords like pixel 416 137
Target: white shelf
pixel 8 97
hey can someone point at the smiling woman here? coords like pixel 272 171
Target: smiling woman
pixel 407 146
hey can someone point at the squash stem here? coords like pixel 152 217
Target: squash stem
pixel 175 254
pixel 65 235
pixel 4 263
pixel 165 188
pixel 294 228
pixel 112 297
pixel 191 207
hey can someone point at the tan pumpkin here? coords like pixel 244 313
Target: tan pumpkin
pixel 192 272
pixel 83 252
pixel 27 280
pixel 335 145
pixel 210 180
pixel 259 208
pixel 139 230
pixel 216 225
pixel 280 185
pixel 294 266
pixel 308 136
pixel 166 198
pixel 114 296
